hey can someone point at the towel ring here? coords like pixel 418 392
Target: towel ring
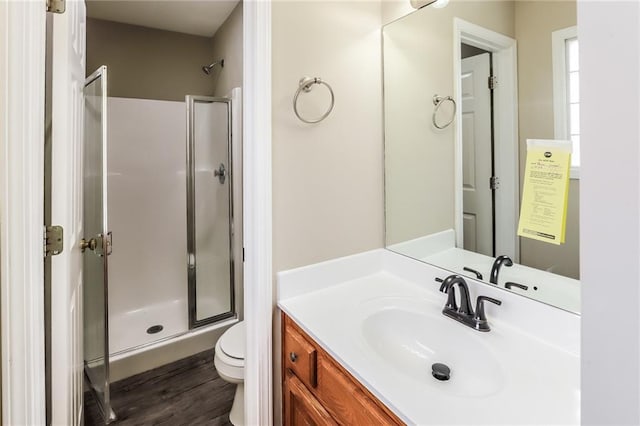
pixel 438 101
pixel 305 86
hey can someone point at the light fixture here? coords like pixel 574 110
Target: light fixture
pixel 418 4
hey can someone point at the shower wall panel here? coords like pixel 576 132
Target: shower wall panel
pixel 147 209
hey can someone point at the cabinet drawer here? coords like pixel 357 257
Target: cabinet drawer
pixel 299 355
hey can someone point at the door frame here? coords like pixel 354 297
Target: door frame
pixel 505 113
pixel 22 71
pixel 257 223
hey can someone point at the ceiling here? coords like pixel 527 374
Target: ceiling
pixel 201 18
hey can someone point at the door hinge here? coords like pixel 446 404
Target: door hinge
pixel 56 6
pixel 53 240
pixel 494 182
pixel 493 82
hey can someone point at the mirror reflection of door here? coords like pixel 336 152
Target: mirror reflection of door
pixel 477 151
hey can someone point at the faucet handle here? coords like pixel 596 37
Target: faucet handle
pixel 480 317
pixel 510 284
pixel 446 287
pixel 473 271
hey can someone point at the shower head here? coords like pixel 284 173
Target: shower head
pixel 208 68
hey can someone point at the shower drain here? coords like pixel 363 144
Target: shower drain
pixel 154 329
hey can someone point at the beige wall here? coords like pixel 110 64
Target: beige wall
pixel 147 63
pixel 419 173
pixel 327 177
pixel 394 9
pixel 227 44
pixel 535 21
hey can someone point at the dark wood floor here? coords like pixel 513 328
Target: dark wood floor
pixel 186 392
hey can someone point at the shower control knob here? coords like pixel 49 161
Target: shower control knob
pixel 221 173
pixel 293 357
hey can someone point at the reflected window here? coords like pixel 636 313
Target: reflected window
pixel 566 91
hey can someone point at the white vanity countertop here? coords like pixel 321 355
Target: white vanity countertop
pixel 526 370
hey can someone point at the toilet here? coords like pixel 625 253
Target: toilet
pixel 229 362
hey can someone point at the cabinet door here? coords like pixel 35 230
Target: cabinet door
pixel 301 408
pixel 345 399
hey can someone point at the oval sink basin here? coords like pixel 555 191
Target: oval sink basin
pixel 410 341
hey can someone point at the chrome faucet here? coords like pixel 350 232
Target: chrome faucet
pixel 465 314
pixel 495 269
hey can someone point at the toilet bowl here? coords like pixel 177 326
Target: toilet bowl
pixel 229 363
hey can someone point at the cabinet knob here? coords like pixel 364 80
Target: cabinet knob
pixel 293 357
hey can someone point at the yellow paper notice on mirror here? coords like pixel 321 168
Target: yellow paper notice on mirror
pixel 545 194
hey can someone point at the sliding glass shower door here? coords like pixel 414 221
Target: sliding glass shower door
pixel 209 210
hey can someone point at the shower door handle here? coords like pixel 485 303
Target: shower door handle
pixel 90 244
pixel 221 173
pixel 101 244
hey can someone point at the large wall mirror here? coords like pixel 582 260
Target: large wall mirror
pixel 453 191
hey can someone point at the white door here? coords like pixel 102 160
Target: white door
pixel 476 155
pixel 68 76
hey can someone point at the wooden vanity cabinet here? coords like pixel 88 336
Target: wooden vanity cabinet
pixel 318 391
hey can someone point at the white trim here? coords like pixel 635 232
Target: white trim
pixel 506 131
pixel 258 279
pixel 560 105
pixel 22 70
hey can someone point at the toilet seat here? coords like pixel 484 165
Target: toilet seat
pixel 232 342
pixel 228 360
pixel 228 350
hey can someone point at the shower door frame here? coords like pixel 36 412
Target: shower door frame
pixel 190 101
pixel 103 400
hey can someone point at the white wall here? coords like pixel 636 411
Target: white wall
pixel 22 31
pixel 4 62
pixel 610 211
pixel 147 203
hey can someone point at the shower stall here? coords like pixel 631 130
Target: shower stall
pixel 174 205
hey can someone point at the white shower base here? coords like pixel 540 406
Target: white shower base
pixel 129 329
pixel 134 351
pixel 143 358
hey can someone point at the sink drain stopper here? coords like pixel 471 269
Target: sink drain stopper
pixel 440 371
